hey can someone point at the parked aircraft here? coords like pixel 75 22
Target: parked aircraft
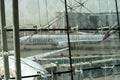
pixel 61 41
pixel 28 66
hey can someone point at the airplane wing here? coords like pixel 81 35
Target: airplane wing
pixel 63 44
pixel 28 67
pixel 46 54
pixel 84 33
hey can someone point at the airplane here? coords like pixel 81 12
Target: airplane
pixel 61 41
pixel 28 66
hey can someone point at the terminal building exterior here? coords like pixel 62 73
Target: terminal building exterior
pixel 86 20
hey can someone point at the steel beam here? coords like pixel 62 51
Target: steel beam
pixel 16 39
pixel 4 40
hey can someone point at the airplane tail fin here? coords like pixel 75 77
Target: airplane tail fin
pixel 111 31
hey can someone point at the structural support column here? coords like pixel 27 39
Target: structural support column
pixel 4 40
pixel 16 39
pixel 116 4
pixel 68 36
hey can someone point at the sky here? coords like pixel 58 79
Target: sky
pixel 42 11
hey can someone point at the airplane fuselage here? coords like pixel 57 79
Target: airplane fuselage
pixel 60 40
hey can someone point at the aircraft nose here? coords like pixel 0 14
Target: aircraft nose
pixel 24 39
